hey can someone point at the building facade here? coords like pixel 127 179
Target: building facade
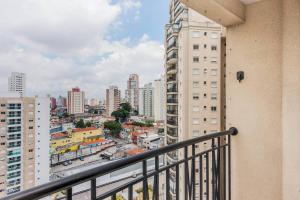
pixel 17 83
pixel 61 101
pixel 113 99
pixel 76 100
pixel 146 103
pixel 159 99
pixel 24 145
pixel 193 80
pixel 132 92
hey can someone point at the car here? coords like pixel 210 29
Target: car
pixel 70 162
pixel 81 158
pixel 65 163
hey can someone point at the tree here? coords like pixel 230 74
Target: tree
pixel 114 127
pixel 80 124
pixel 88 124
pixel 126 106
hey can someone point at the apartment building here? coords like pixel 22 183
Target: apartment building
pixel 132 92
pixel 113 99
pixel 146 104
pixel 24 143
pixel 193 79
pixel 17 83
pixel 159 99
pixel 76 101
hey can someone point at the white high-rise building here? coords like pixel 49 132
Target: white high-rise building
pixel 194 80
pixel 113 99
pixel 24 143
pixel 132 92
pixel 146 100
pixel 159 99
pixel 17 83
pixel 76 101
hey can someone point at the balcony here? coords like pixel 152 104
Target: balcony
pixel 172 70
pixel 194 170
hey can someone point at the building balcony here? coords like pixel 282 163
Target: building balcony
pixel 195 168
pixel 172 59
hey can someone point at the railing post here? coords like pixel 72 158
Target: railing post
pixel 145 181
pixel 69 194
pixel 156 180
pixel 93 189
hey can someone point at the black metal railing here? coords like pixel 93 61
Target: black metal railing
pixel 206 174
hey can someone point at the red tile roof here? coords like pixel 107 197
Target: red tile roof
pixel 58 135
pixel 84 129
pixel 135 151
pixel 100 140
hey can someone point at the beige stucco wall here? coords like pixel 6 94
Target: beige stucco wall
pixel 291 99
pixel 254 105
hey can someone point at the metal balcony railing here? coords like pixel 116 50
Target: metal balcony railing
pixel 206 174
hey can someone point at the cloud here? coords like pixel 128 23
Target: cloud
pixel 60 44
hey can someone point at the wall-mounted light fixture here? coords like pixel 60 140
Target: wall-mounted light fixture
pixel 240 76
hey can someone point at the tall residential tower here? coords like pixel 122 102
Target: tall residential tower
pixel 76 100
pixel 113 99
pixel 17 83
pixel 132 91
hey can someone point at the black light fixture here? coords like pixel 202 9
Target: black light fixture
pixel 240 76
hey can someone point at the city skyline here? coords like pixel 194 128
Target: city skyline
pixel 111 43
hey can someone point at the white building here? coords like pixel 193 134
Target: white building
pixel 24 143
pixel 159 99
pixel 146 100
pixel 76 101
pixel 113 98
pixel 132 92
pixel 17 83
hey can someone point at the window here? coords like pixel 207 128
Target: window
pixel 196 133
pixel 213 120
pixel 195 46
pixel 195 96
pixel 204 107
pixel 204 95
pixel 213 72
pixel 204 119
pixel 204 71
pixel 2 120
pixel 30 150
pixel 213 47
pixel 3 105
pixel 213 84
pixel 204 46
pixel 205 33
pixel 2 113
pixel 30 127
pixel 196 109
pixel 195 71
pixel 213 108
pixel 213 60
pixel 195 84
pixel 213 96
pixel 214 35
pixel 196 121
pixel 195 34
pixel 204 82
pixel 195 59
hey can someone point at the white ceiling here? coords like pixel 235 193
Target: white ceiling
pixel 249 1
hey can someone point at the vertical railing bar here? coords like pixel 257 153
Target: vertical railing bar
pixel 168 184
pixel 93 189
pixel 186 173
pixel 177 182
pixel 130 192
pixel 69 194
pixel 207 176
pixel 225 171
pixel 219 169
pixel 156 180
pixel 229 167
pixel 114 196
pixel 145 181
pixel 200 177
pixel 213 170
pixel 193 173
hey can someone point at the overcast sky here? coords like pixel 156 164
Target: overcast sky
pixel 92 44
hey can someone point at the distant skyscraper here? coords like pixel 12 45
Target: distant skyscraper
pixel 53 103
pixel 17 83
pixel 24 148
pixel 61 101
pixel 159 99
pixel 132 92
pixel 113 98
pixel 146 100
pixel 94 102
pixel 76 100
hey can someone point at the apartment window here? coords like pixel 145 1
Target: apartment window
pixel 195 59
pixel 196 121
pixel 3 143
pixel 213 60
pixel 213 47
pixel 2 120
pixel 196 133
pixel 30 150
pixel 196 47
pixel 213 72
pixel 195 71
pixel 2 113
pixel 195 84
pixel 204 58
pixel 213 108
pixel 204 46
pixel 213 84
pixel 196 109
pixel 204 82
pixel 204 71
pixel 3 105
pixel 214 35
pixel 204 95
pixel 195 34
pixel 204 107
pixel 30 127
pixel 204 119
pixel 213 96
pixel 195 96
pixel 205 33
pixel 213 120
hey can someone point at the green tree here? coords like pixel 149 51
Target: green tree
pixel 126 106
pixel 114 127
pixel 80 124
pixel 88 124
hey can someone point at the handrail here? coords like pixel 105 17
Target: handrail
pixel 76 179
